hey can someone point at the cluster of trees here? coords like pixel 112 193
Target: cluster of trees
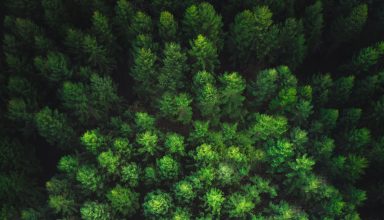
pixel 191 110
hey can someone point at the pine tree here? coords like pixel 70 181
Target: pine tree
pixel 203 55
pixel 345 28
pixel 203 20
pixel 54 127
pixel 313 25
pixel 143 71
pixel 253 35
pixel 168 27
pixel 292 46
pixel 174 69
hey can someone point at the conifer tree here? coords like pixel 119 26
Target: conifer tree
pixel 203 55
pixel 203 20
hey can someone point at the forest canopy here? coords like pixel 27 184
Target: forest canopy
pixel 165 109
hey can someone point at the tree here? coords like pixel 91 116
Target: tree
pixel 54 127
pixel 55 67
pixel 233 86
pixel 144 121
pixel 109 161
pixel 167 27
pixel 313 25
pixel 103 95
pixel 292 46
pixel 184 191
pixel 279 153
pixel 141 24
pixel 253 35
pixel 266 126
pixel 203 54
pixel 207 95
pixel 263 87
pixel 203 20
pixel 143 71
pixel 96 55
pixel 148 142
pixel 321 85
pixel 214 200
pixel 176 107
pixel 131 174
pixel 157 204
pixel 93 141
pixel 74 99
pixel 168 167
pixel 102 30
pixel 343 88
pixel 123 200
pixel 89 178
pixel 173 72
pixel 365 59
pixel 239 206
pixel 345 28
pixel 124 15
pixel 93 210
pixel 175 144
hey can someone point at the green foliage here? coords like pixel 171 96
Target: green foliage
pixel 148 142
pixel 54 127
pixel 143 71
pixel 231 92
pixel 177 108
pixel 131 174
pixel 263 87
pixel 94 211
pixel 206 154
pixel 103 95
pixel 108 161
pixel 207 95
pixel 314 24
pixel 124 15
pixel 68 164
pixel 60 204
pixel 167 27
pixel 168 167
pixel 157 204
pixel 102 29
pixel 141 24
pixel 321 88
pixel 184 191
pixel 144 121
pixel 54 67
pixel 214 200
pixel 123 200
pixel 266 126
pixel 365 59
pixel 74 99
pixel 170 109
pixel 239 206
pixel 342 87
pixel 279 153
pixel 174 143
pixel 253 34
pixel 203 54
pixel 93 141
pixel 345 28
pixel 95 54
pixel 203 20
pixel 292 46
pixel 172 73
pixel 89 178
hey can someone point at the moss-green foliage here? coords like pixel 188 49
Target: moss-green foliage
pixel 166 109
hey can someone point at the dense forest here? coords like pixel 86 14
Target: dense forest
pixel 169 109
